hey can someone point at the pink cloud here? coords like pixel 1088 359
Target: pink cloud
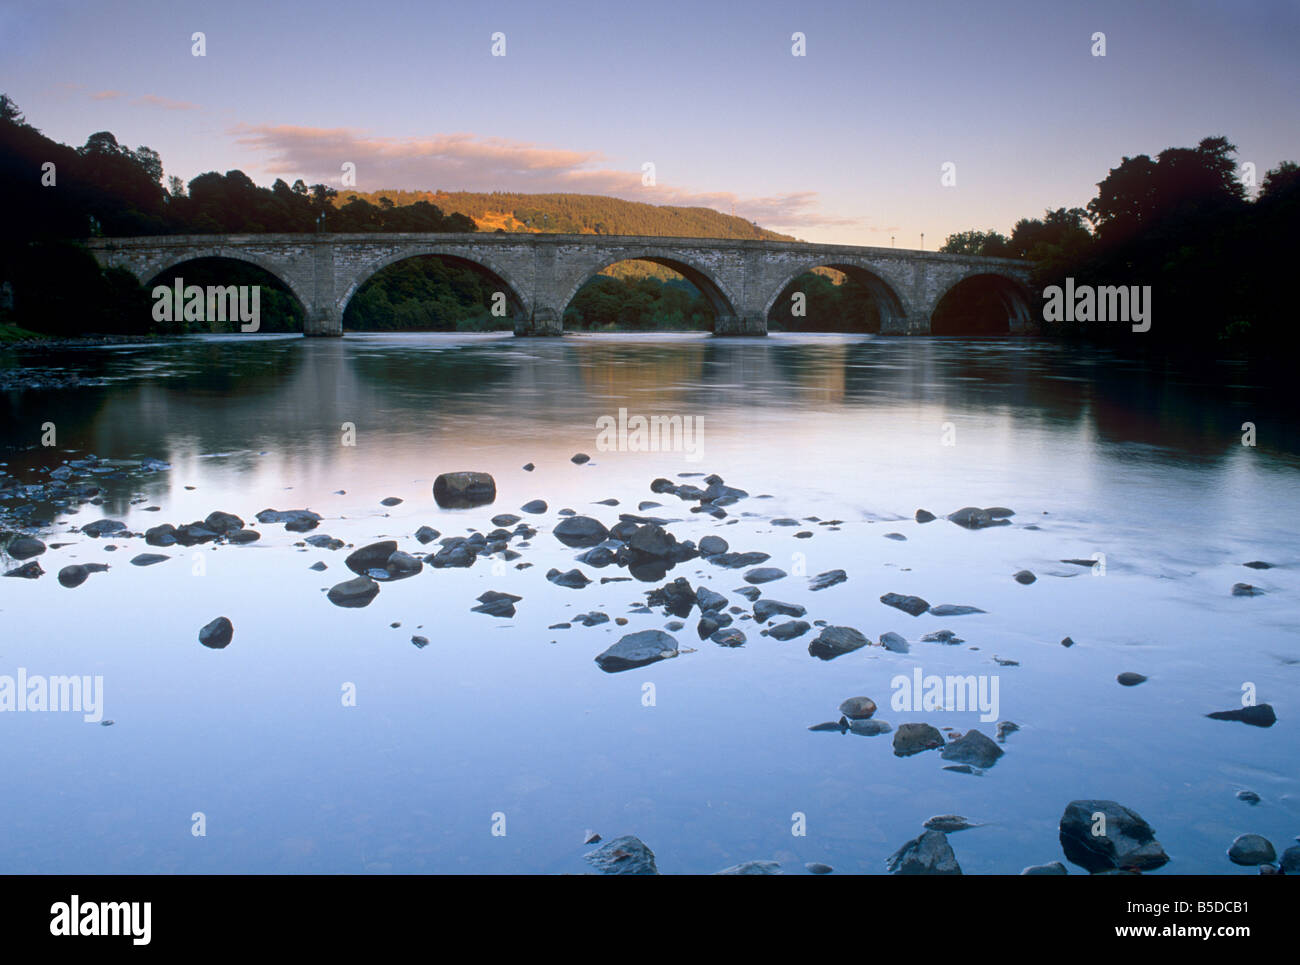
pixel 153 100
pixel 467 162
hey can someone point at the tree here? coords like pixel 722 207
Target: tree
pixel 987 243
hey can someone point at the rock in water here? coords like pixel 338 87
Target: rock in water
pixel 627 855
pixel 912 605
pixel 973 748
pixel 580 531
pixel 294 520
pixel 76 574
pixel 102 527
pixel 948 823
pixel 924 516
pixel 858 708
pixel 1054 868
pixel 1257 715
pixel 1238 589
pixel 833 642
pixel 534 507
pixel 573 579
pixel 1125 841
pixel 869 728
pixel 1252 849
pixel 764 574
pixel 894 642
pixel 223 523
pixel 1290 863
pixel 33 569
pixel 676 598
pixel 25 547
pixel 637 650
pixel 711 545
pixel 1130 679
pixel 764 610
pixel 912 739
pixel 930 854
pixel 217 634
pixel 354 593
pixel 789 630
pixel 497 604
pixel 752 868
pixel 460 490
pixel 953 610
pixel 578 458
pixel 148 559
pixel 708 601
pixel 823 580
pixel 728 638
pixel 817 868
pixel 372 557
pixel 1025 577
pixel 972 517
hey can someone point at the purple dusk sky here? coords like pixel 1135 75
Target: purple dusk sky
pixel 843 145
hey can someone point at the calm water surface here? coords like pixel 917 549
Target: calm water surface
pixel 1096 454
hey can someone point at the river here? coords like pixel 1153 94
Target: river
pixel 498 746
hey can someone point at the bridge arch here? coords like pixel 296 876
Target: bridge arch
pixel 886 291
pixel 518 303
pixel 714 291
pixel 149 274
pixel 983 301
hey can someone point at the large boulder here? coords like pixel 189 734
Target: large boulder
pixel 627 855
pixel 25 547
pixel 973 748
pixel 637 650
pixel 371 557
pixel 912 739
pixel 930 854
pixel 354 593
pixel 223 523
pixel 833 642
pixel 580 531
pixel 676 597
pixel 1105 836
pixel 217 634
pixel 460 490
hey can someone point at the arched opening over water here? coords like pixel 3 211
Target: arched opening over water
pixel 984 304
pixel 432 293
pixel 646 294
pixel 835 298
pixel 223 294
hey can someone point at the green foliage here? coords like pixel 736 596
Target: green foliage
pixel 987 243
pixel 1181 224
pixel 426 294
pixel 638 304
pixel 849 306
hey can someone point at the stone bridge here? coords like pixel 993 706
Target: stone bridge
pixel 540 273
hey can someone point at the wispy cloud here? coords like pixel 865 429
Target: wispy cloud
pixel 166 103
pixel 105 95
pixel 468 162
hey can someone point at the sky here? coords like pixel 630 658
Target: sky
pixel 845 144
